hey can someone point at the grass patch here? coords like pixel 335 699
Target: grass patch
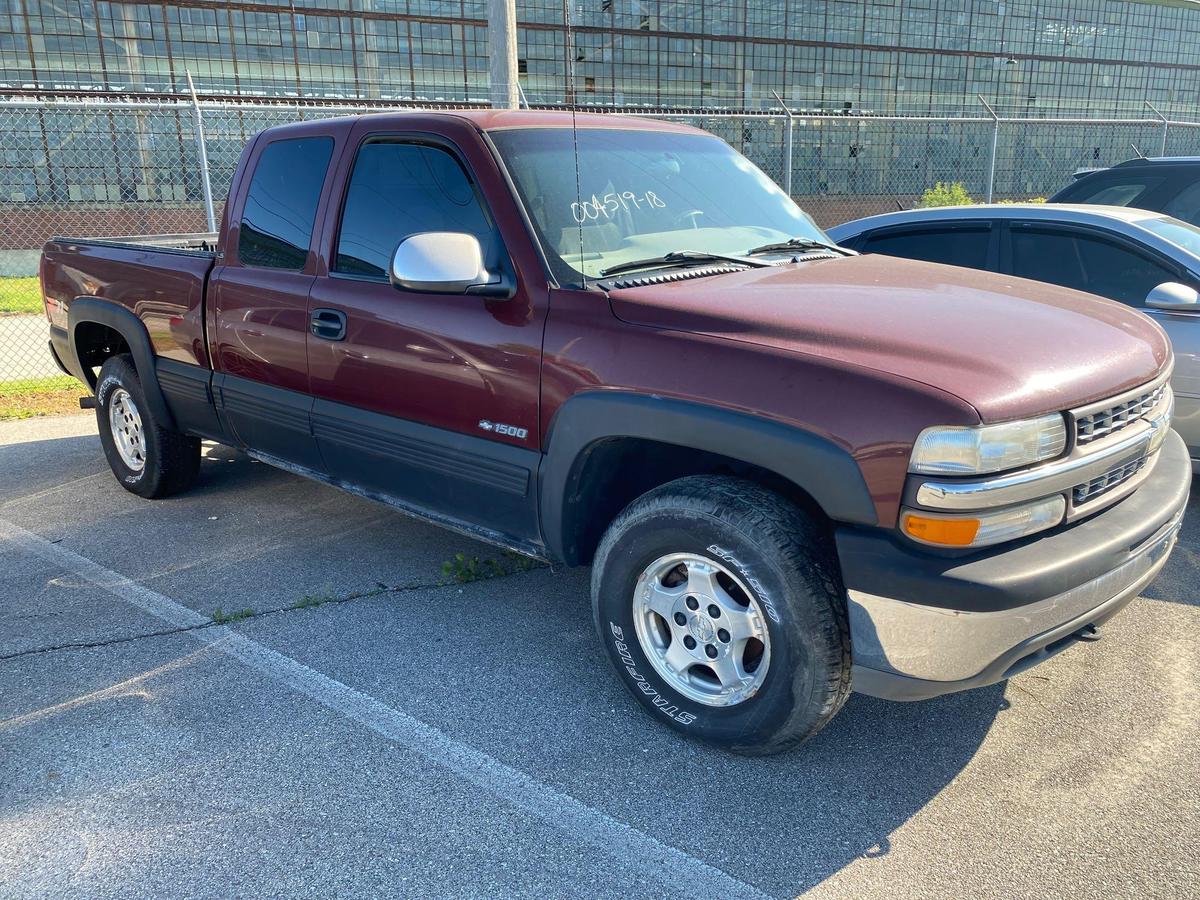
pixel 220 617
pixel 463 569
pixel 31 397
pixel 308 601
pixel 20 296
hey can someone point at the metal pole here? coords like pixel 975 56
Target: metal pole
pixel 787 147
pixel 502 45
pixel 991 178
pixel 202 153
pixel 1165 125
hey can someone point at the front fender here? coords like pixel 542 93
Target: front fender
pixel 827 472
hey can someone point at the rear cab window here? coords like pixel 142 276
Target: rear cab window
pixel 277 220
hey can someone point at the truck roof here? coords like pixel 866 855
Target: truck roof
pixel 503 119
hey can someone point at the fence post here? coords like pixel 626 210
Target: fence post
pixel 1165 125
pixel 991 178
pixel 202 155
pixel 787 147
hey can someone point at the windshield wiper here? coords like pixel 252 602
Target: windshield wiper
pixel 679 258
pixel 801 243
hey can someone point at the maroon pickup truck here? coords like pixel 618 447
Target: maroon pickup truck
pixel 795 471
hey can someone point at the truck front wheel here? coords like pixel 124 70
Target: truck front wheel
pixel 721 606
pixel 148 459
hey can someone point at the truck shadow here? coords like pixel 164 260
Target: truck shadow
pixel 783 823
pixel 846 791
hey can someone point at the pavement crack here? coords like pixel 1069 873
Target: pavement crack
pixel 92 645
pixel 222 619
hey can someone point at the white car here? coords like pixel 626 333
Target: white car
pixel 1142 259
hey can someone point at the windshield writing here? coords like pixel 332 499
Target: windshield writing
pixel 642 194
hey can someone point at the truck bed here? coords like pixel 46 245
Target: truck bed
pixel 161 279
pixel 197 243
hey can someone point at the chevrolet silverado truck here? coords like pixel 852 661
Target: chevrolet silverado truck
pixel 795 470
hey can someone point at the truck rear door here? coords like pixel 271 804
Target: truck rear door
pixel 258 299
pixel 429 398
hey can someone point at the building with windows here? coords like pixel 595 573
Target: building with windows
pixel 98 140
pixel 877 55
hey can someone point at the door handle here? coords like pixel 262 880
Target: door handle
pixel 328 324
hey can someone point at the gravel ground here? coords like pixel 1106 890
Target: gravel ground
pixel 370 730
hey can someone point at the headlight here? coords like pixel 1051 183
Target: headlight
pixel 985 528
pixel 957 450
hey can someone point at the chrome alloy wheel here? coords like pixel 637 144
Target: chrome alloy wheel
pixel 701 629
pixel 125 423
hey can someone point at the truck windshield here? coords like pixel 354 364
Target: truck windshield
pixel 643 194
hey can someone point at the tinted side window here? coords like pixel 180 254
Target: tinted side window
pixel 1186 204
pixel 281 204
pixel 1111 191
pixel 1086 263
pixel 397 190
pixel 953 246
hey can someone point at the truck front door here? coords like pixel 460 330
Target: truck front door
pixel 430 399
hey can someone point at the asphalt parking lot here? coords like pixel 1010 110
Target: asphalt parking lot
pixel 367 729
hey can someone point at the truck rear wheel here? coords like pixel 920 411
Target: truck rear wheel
pixel 148 459
pixel 721 606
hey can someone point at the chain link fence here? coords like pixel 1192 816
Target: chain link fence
pixel 105 168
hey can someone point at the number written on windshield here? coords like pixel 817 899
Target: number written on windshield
pixel 593 209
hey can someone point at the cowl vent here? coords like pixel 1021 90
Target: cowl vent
pixel 666 277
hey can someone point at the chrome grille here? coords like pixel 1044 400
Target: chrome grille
pixel 1107 421
pixel 1101 484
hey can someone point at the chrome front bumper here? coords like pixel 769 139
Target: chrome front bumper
pixel 907 650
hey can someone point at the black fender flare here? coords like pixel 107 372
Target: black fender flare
pixel 815 464
pixel 133 330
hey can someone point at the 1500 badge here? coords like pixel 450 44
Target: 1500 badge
pixel 506 430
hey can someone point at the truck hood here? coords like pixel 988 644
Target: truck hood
pixel 1009 347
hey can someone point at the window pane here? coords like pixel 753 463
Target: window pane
pixel 397 190
pixel 1111 192
pixel 1186 205
pixel 601 197
pixel 277 223
pixel 1086 264
pixel 956 247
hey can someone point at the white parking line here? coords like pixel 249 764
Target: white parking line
pixel 634 850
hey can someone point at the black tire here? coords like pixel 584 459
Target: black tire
pixel 172 460
pixel 784 560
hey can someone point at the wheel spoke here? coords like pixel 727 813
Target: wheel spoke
pixel 678 658
pixel 741 623
pixel 702 582
pixel 729 669
pixel 663 600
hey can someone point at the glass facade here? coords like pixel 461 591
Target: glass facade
pixel 897 56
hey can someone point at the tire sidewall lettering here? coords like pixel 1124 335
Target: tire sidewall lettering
pixel 663 704
pixel 103 389
pixel 760 592
pixel 106 385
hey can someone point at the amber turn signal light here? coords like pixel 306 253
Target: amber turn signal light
pixel 948 532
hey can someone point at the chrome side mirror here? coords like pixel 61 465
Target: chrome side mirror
pixel 438 262
pixel 1171 295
